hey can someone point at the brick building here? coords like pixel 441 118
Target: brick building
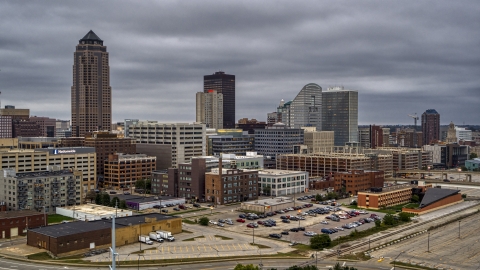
pixel 15 223
pixel 78 237
pixel 105 144
pixel 122 171
pixel 231 185
pixel 47 125
pixel 378 198
pixel 358 180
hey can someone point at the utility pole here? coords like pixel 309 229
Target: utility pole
pixel 112 249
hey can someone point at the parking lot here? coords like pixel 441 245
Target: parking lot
pixel 311 223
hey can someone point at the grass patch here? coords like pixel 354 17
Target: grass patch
pixel 411 205
pixel 360 256
pixel 55 218
pixel 143 250
pixel 193 238
pixel 259 245
pixel 390 210
pixel 355 235
pixel 412 265
pixel 188 221
pixel 185 231
pixel 223 237
pixel 42 256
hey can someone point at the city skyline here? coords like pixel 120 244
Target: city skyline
pixel 400 61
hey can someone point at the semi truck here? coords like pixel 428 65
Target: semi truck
pixel 145 239
pixel 155 237
pixel 166 235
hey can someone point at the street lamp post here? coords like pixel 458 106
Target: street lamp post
pixel 253 234
pixel 428 245
pixel 396 259
pixel 459 228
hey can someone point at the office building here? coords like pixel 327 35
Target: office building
pixel 323 164
pixel 122 171
pixel 6 126
pixel 305 110
pixel 463 134
pixel 62 124
pixel 126 124
pixel 47 125
pixel 448 155
pixel 318 141
pixel 249 125
pixel 91 91
pixel 230 141
pixel 77 158
pixel 340 114
pixel 16 114
pixel 278 139
pixel 272 118
pixel 386 137
pixel 364 137
pixel 223 84
pixel 354 181
pixel 273 182
pixel 376 136
pixel 224 186
pixel 183 140
pixel 40 189
pixel 430 126
pixel 406 158
pixel 105 144
pixel 209 109
pixel 378 198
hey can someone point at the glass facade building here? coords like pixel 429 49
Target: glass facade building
pixel 223 84
pixel 340 114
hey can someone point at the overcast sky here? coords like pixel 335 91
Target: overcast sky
pixel 403 57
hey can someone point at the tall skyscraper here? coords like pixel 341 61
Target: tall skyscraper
pixel 223 84
pixel 303 111
pixel 91 91
pixel 430 126
pixel 210 109
pixel 340 114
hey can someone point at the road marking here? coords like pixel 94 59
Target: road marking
pixel 228 246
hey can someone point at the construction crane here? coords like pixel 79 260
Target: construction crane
pixel 415 118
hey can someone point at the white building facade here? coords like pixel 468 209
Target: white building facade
pixel 282 182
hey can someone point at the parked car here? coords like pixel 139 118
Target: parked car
pixel 212 222
pixel 176 209
pixel 196 205
pixel 301 228
pixel 241 220
pixel 294 229
pixel 242 216
pixel 285 233
pixel 164 210
pixel 220 224
pixel 275 235
pixel 285 221
pixel 324 222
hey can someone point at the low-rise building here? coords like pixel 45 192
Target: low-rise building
pixel 224 186
pixel 268 205
pixel 434 199
pixel 358 180
pixel 282 182
pixel 90 212
pixel 473 164
pixel 72 238
pixel 378 198
pixel 40 191
pixel 15 223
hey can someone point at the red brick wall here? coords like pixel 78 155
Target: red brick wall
pixel 21 223
pixel 446 201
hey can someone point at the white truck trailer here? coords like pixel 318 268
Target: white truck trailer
pixel 155 237
pixel 145 239
pixel 166 235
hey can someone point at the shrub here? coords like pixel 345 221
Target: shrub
pixel 204 221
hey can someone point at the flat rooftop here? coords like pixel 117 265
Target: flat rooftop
pixel 19 213
pixel 274 201
pixel 137 198
pixel 275 172
pixel 92 209
pixel 390 189
pixel 71 228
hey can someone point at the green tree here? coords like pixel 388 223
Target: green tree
pixel 203 221
pixel 404 216
pixel 98 199
pixel 115 202
pixel 320 241
pixel 123 204
pixel 90 196
pixel 464 169
pixel 319 197
pixel 246 267
pixel 339 267
pixel 105 199
pixel 415 198
pixel 378 223
pixel 388 219
pixel 266 190
pixel 307 267
pixel 464 196
pixel 473 155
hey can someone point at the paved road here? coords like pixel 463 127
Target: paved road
pixel 6 264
